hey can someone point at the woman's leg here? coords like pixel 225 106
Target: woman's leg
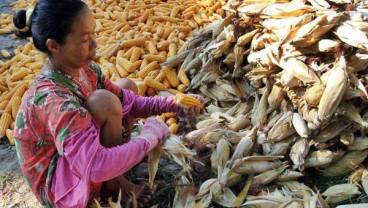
pixel 128 122
pixel 106 108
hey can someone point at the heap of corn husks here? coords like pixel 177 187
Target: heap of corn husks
pixel 285 85
pixel 133 38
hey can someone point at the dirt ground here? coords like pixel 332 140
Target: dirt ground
pixel 14 192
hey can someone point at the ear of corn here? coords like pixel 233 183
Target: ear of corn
pixel 16 101
pixel 5 121
pixel 341 192
pixel 152 83
pixel 174 128
pixel 171 76
pixel 145 70
pixel 9 134
pixel 334 91
pixel 188 101
pixel 346 164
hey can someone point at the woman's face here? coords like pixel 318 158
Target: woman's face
pixel 80 46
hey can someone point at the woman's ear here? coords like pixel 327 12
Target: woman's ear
pixel 53 46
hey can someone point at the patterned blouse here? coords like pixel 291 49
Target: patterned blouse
pixel 51 111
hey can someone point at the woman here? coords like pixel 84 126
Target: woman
pixel 69 127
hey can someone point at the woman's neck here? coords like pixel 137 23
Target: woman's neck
pixel 57 65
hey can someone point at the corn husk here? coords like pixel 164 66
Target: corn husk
pixel 334 91
pixel 341 192
pixel 346 164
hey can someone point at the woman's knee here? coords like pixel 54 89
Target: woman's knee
pixel 128 84
pixel 103 103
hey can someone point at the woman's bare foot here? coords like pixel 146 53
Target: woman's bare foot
pixel 111 188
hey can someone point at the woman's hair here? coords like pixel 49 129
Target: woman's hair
pixel 50 20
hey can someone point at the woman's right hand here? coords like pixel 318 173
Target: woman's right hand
pixel 156 129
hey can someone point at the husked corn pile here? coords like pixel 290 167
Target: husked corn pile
pixel 134 37
pixel 285 85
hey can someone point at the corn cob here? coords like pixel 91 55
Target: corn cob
pixel 5 121
pixel 10 136
pixel 188 101
pixel 346 164
pixel 150 67
pixel 171 121
pixel 174 128
pixel 20 74
pixel 150 82
pixel 171 76
pixel 334 91
pixel 16 101
pixel 341 192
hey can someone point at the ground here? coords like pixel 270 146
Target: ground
pixel 14 192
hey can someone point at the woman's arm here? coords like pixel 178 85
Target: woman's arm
pixel 141 107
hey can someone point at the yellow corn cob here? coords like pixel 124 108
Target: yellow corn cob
pixel 128 53
pixel 134 42
pixel 20 74
pixel 181 88
pixel 5 53
pixel 3 104
pixel 5 121
pixel 183 77
pixel 152 48
pixel 142 88
pixel 171 76
pixel 35 66
pixel 154 73
pixel 173 48
pixel 174 11
pixel 166 83
pixel 174 128
pixel 163 45
pixel 16 101
pixel 10 136
pixel 137 52
pixel 17 90
pixel 171 121
pixel 126 64
pixel 173 91
pixel 158 58
pixel 150 82
pixel 3 88
pixel 150 67
pixel 188 101
pixel 27 48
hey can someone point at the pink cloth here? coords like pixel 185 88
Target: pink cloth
pixel 86 164
pixel 141 107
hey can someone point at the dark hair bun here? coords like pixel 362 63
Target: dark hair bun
pixel 20 19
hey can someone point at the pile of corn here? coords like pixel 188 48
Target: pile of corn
pixel 133 38
pixel 285 85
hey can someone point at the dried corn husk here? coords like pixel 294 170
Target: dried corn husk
pixel 334 91
pixel 346 164
pixel 341 192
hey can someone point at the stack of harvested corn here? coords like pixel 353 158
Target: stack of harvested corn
pixel 285 89
pixel 133 38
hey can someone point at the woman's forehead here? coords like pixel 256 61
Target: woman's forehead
pixel 84 22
